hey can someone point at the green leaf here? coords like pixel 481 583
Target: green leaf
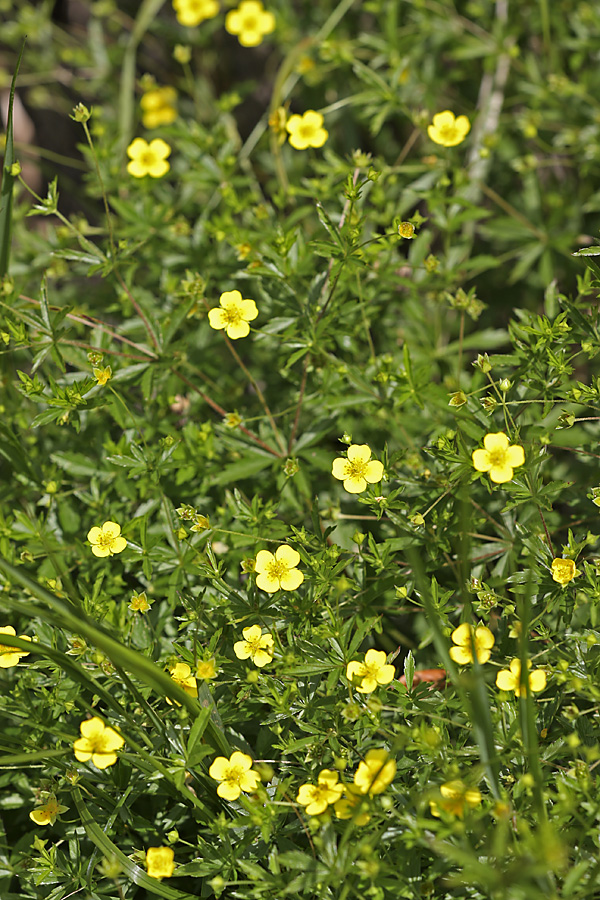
pixel 6 188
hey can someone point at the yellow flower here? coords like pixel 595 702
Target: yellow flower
pixel 498 458
pixel 158 107
pixel 278 571
pixel 182 675
pixel 160 862
pixel 564 570
pixel 406 230
pixel 455 798
pixel 139 603
pixel 46 814
pixel 98 742
pixel 235 774
pixel 465 636
pixel 256 646
pixel 193 12
pixel 448 131
pixel 250 22
pixel 372 672
pixel 375 773
pixel 357 469
pixel 306 130
pixel 10 656
pixel 350 804
pixel 106 540
pixel 233 315
pixel 206 669
pixel 510 679
pixel 317 797
pixel 148 158
pixel 102 375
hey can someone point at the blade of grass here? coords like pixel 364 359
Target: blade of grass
pixel 6 189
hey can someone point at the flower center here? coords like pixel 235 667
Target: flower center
pixel 498 457
pixel 357 468
pixel 448 132
pixel 307 131
pixel 250 23
pixel 105 539
pixel 233 315
pixel 233 774
pixel 277 569
pixel 254 644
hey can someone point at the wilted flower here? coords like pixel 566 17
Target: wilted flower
pixel 46 814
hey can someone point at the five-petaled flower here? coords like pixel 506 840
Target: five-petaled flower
pixel 357 469
pixel 349 806
pixel 102 375
pixel 235 774
pixel 181 674
pixel 139 603
pixel 499 458
pixel 256 646
pixel 106 540
pixel 193 12
pixel 46 814
pixel 206 669
pixel 306 130
pixel 160 862
pixel 158 106
pixel 10 656
pixel 455 799
pixel 510 679
pixel 317 797
pixel 366 676
pixel 563 570
pixel 468 638
pixel 375 772
pixel 250 22
pixel 98 742
pixel 448 130
pixel 233 315
pixel 148 158
pixel 277 571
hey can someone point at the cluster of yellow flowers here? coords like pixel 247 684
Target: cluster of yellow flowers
pixel 250 22
pixel 471 643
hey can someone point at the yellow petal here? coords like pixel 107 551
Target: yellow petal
pixel 359 453
pixel 462 634
pixel 481 460
pixel 93 534
pixel 252 632
pixel 355 670
pixel 443 119
pixel 495 441
pixel 268 583
pixel 340 468
pixel 386 674
pixel 262 658
pixel 249 310
pixel 537 680
pixel 515 456
pixel 218 768
pixel 484 637
pixel 506 680
pixel 374 471
pixel 288 555
pixel 104 760
pixel 217 318
pixel 375 658
pixel 237 330
pixel 264 559
pixel 242 649
pixel 92 728
pixel 461 655
pixel 241 760
pixel 111 529
pixel 501 474
pixel 229 791
pixel 355 484
pixel 118 545
pixel 249 781
pixel 291 580
pixel 40 816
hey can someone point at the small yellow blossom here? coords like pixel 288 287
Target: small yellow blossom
pixel 233 315
pixel 160 862
pixel 455 798
pixel 498 458
pixel 317 797
pixel 181 674
pixel 349 805
pixel 278 571
pixel 139 603
pixel 447 130
pixel 46 814
pixel 206 669
pixel 102 375
pixel 510 679
pixel 235 774
pixel 256 646
pixel 159 106
pixel 563 570
pixel 406 230
pixel 465 636
pixel 250 22
pixel 106 540
pixel 372 672
pixel 148 158
pixel 357 469
pixel 306 130
pixel 375 773
pixel 10 656
pixel 98 743
pixel 193 12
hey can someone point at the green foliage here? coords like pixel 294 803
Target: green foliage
pixel 412 297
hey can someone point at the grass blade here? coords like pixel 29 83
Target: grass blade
pixel 6 189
